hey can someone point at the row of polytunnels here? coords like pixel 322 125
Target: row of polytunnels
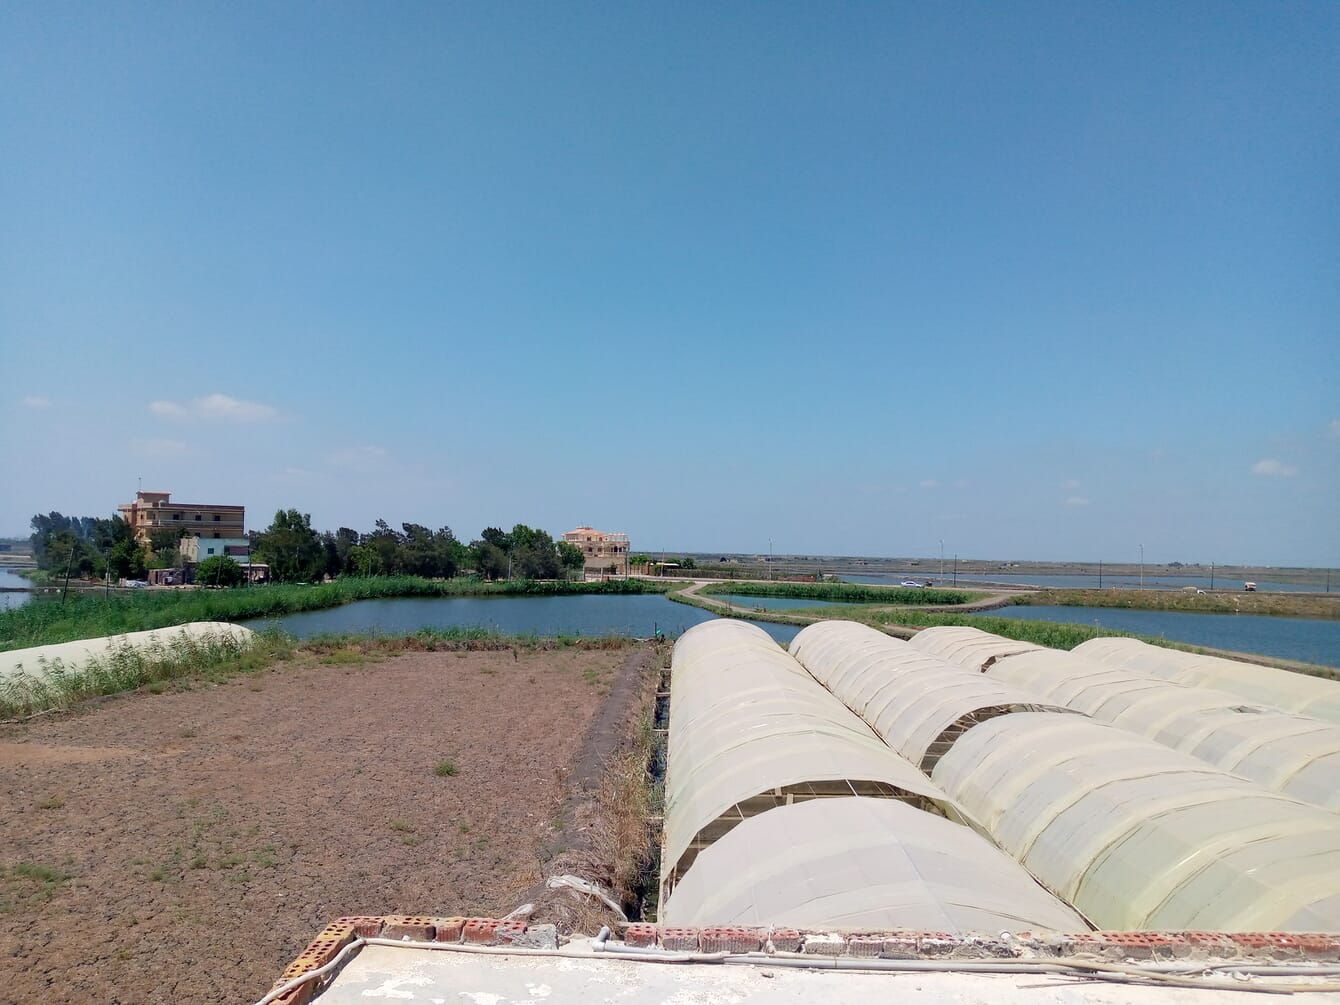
pixel 965 783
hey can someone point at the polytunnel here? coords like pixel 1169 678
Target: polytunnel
pixel 1136 836
pixel 1292 754
pixel 859 863
pixel 1292 692
pixel 917 702
pixel 970 648
pixel 750 730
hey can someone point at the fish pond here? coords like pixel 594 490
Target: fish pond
pixel 1306 639
pixel 631 615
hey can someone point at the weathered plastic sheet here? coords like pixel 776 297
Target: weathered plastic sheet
pixel 1283 689
pixel 39 662
pixel 1292 754
pixel 747 721
pixel 917 702
pixel 857 863
pixel 968 647
pixel 1136 836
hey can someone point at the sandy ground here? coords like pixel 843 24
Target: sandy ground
pixel 186 846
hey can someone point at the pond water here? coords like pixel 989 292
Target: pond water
pixel 1151 582
pixel 773 603
pixel 13 579
pixel 1307 639
pixel 634 615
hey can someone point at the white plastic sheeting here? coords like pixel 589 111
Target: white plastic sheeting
pixel 970 648
pixel 1137 836
pixel 861 863
pixel 1292 692
pixel 917 702
pixel 751 730
pixel 1288 753
pixel 36 661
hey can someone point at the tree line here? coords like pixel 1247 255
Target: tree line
pixel 297 552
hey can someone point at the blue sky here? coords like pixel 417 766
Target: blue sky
pixel 1037 280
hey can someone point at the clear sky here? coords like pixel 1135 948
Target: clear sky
pixel 1034 280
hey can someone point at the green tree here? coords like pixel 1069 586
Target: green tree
pixel 490 560
pixel 218 570
pixel 533 553
pixel 291 547
pixel 570 557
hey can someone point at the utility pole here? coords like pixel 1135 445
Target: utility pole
pixel 68 566
pixel 1211 575
pixel 107 577
pixel 956 570
pixel 1142 566
pixel 770 560
pixel 1100 574
pixel 942 559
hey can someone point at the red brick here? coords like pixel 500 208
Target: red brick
pixel 448 929
pixel 865 945
pixel 680 940
pixel 1213 943
pixel 640 935
pixel 900 946
pixel 936 943
pixel 320 950
pixel 730 940
pixel 785 940
pixel 414 927
pixel 1315 945
pixel 365 926
pixel 300 995
pixel 1146 945
pixel 480 931
pixel 508 932
pixel 1272 944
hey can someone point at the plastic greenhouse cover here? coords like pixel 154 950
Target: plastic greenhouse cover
pixel 862 863
pixel 1137 836
pixel 1292 692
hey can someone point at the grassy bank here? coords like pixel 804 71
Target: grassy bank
pixel 1268 604
pixel 53 685
pixel 43 621
pixel 850 593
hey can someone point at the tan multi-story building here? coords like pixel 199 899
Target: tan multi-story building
pixel 153 511
pixel 606 554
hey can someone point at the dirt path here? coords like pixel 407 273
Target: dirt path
pixel 992 601
pixel 185 846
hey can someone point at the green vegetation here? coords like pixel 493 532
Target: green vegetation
pixel 446 769
pixel 45 621
pixel 51 684
pixel 844 592
pixel 218 570
pixel 1268 604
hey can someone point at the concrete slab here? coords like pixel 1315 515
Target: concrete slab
pixel 384 973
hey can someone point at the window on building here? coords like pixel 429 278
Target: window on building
pixel 198 516
pixel 216 533
pixel 217 518
pixel 210 552
pixel 176 516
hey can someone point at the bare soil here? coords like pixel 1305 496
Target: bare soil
pixel 186 846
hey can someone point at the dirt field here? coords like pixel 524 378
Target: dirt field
pixel 185 846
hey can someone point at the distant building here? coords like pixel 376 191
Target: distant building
pixel 196 549
pixel 153 511
pixel 606 554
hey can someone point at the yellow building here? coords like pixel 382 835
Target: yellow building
pixel 606 554
pixel 153 511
